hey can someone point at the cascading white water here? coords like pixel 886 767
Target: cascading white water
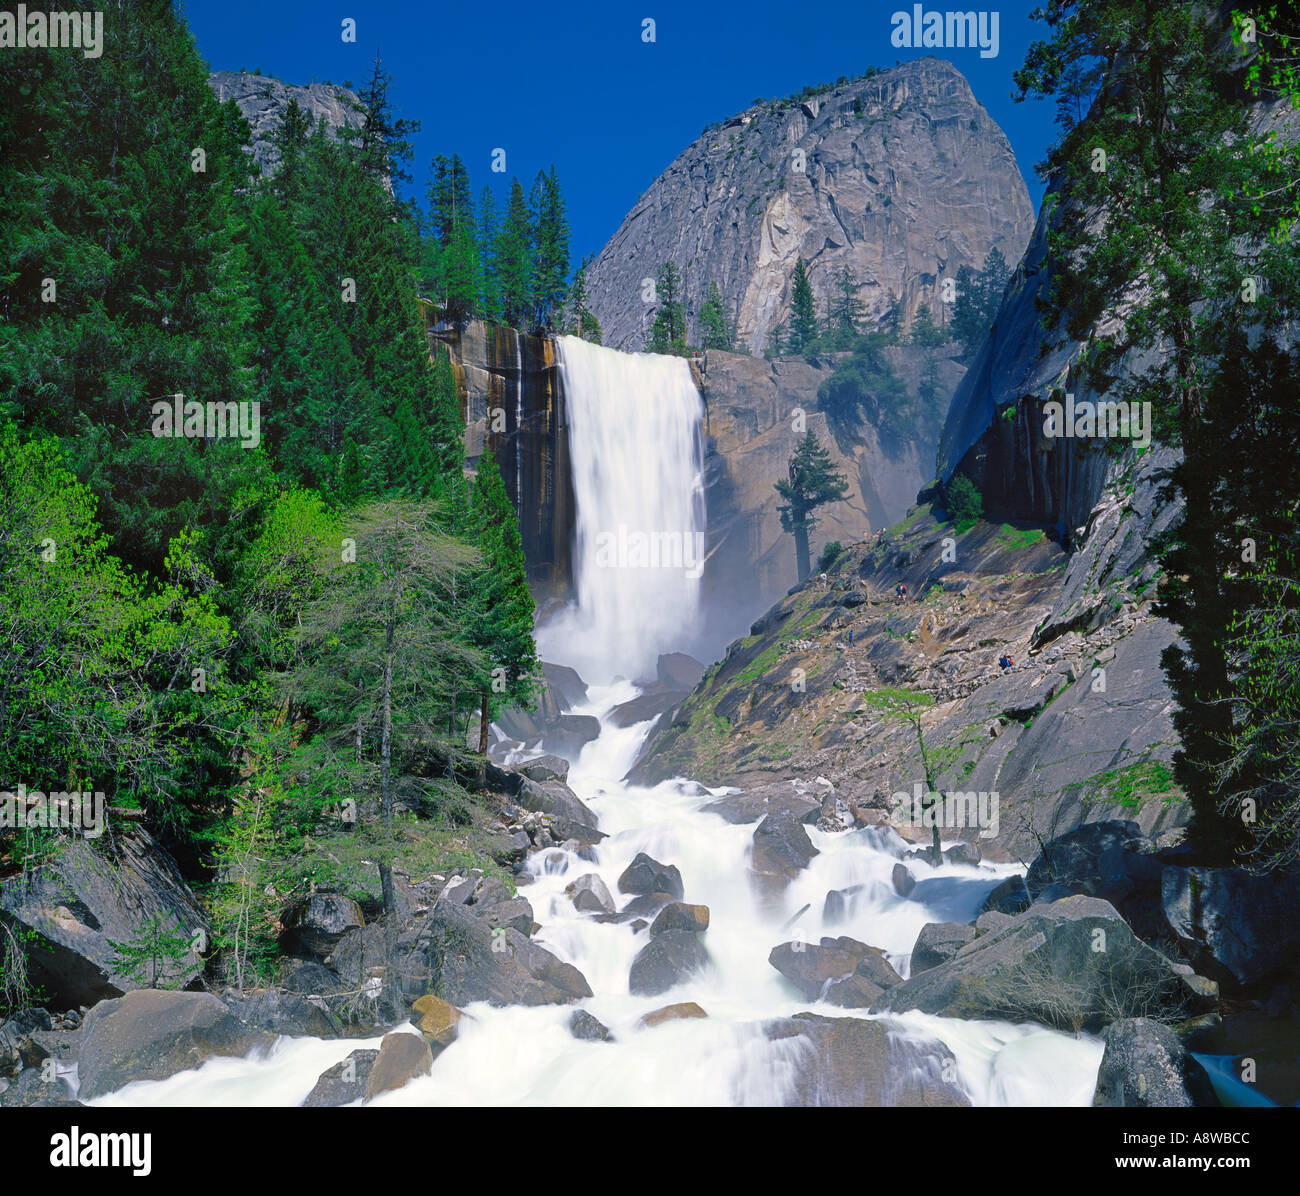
pixel 634 436
pixel 636 448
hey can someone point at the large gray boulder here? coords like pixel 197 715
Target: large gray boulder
pixel 71 909
pixel 1234 923
pixel 149 1034
pixel 402 1058
pixel 645 875
pixel 666 961
pixel 854 1063
pixel 463 958
pixel 841 970
pixel 782 849
pixel 343 1083
pixel 1074 965
pixel 279 1012
pixel 1146 1066
pixel 314 925
pixel 938 942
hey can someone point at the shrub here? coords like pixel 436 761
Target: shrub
pixel 965 504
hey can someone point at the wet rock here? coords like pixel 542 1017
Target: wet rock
pixel 402 1058
pixel 1234 924
pixel 31 1090
pixel 545 768
pixel 150 1035
pixel 938 942
pixel 343 1083
pixel 16 1042
pixel 903 880
pixel 570 733
pixel 645 875
pixel 565 683
pixel 670 1013
pixel 676 670
pixel 1146 1066
pixel 1045 966
pixel 666 961
pixel 465 959
pixel 815 968
pixel 314 925
pixel 644 707
pixel 839 903
pixel 589 894
pixel 680 916
pixel 438 1021
pixel 962 853
pixel 782 848
pixel 280 1012
pixel 753 804
pixel 511 850
pixel 1010 897
pixel 71 909
pixel 855 1063
pixel 587 1028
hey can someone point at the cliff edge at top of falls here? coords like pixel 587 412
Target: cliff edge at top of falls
pixel 1059 742
pixel 900 175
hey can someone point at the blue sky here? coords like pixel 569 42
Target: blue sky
pixel 575 84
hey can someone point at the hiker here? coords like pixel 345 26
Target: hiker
pixel 901 591
pixel 1005 662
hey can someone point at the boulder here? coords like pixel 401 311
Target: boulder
pixel 938 942
pixel 589 895
pixel 278 1011
pixel 839 902
pixel 753 804
pixel 1073 859
pixel 343 1083
pixel 568 687
pixel 851 1062
pixel 782 849
pixel 1009 897
pixel 670 1013
pixel 463 959
pixel 314 925
pixel 545 768
pixel 71 909
pixel 31 1090
pixel 840 964
pixel 1234 924
pixel 666 961
pixel 150 1035
pixel 962 853
pixel 587 1028
pixel 644 707
pixel 645 875
pixel 1074 965
pixel 991 920
pixel 17 1048
pixel 401 1059
pixel 677 671
pixel 1145 1066
pixel 511 850
pixel 680 916
pixel 438 1021
pixel 570 733
pixel 903 880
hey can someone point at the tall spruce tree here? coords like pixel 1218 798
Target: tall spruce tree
pixel 668 333
pixel 803 311
pixel 513 260
pixel 715 328
pixel 812 482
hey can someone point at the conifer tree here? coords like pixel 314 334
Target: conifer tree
pixel 803 311
pixel 715 329
pixel 513 260
pixel 812 482
pixel 668 333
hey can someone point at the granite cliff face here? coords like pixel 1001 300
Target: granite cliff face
pixel 902 177
pixel 263 100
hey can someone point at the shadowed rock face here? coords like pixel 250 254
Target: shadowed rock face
pixel 901 177
pixel 263 101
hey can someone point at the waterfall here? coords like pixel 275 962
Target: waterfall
pixel 636 449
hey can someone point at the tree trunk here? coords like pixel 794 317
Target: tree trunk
pixel 483 742
pixel 801 550
pixel 386 817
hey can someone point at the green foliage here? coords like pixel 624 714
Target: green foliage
pixel 154 956
pixel 668 333
pixel 979 295
pixel 716 330
pixel 964 501
pixel 830 553
pixel 865 385
pixel 813 482
pixel 803 311
pixel 924 330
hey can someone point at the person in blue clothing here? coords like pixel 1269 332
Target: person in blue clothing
pixel 901 592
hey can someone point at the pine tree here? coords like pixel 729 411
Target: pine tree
pixel 668 333
pixel 384 141
pixel 551 260
pixel 812 482
pixel 513 259
pixel 715 330
pixel 803 311
pixel 487 220
pixel 846 308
